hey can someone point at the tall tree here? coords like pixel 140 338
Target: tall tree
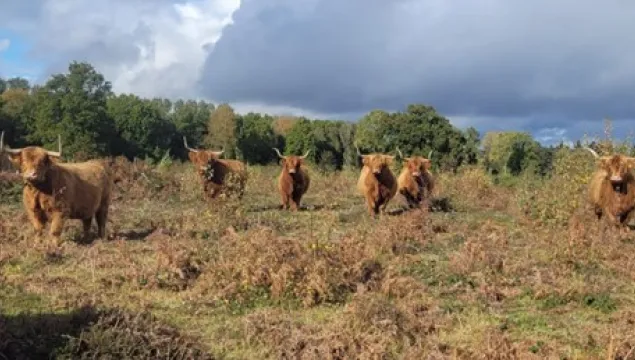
pixel 142 128
pixel 222 130
pixel 74 106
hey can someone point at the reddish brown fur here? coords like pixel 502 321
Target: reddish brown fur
pixel 209 162
pixel 376 182
pixel 294 180
pixel 612 188
pixel 416 183
pixel 56 191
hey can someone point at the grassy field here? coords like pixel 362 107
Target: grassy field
pixel 515 269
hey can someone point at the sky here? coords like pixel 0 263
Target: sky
pixel 553 68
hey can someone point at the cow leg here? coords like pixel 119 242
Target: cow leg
pixel 598 212
pixel 284 200
pixel 57 225
pixel 87 223
pixel 38 219
pixel 295 201
pixel 101 216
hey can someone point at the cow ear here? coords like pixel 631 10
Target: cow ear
pixel 427 164
pixel 365 159
pixel 54 159
pixel 630 163
pixel 389 159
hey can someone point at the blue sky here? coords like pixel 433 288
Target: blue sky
pixel 555 69
pixel 14 57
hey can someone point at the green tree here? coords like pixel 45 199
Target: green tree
pixel 142 129
pixel 511 152
pixel 190 119
pixel 18 83
pixel 256 138
pixel 74 106
pixel 16 110
pixel 221 129
pixel 418 130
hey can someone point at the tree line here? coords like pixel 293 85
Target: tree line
pixel 95 122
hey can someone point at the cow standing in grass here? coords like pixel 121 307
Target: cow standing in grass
pixel 415 182
pixel 376 181
pixel 56 191
pixel 612 188
pixel 218 175
pixel 294 180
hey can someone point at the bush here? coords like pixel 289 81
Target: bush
pixel 553 200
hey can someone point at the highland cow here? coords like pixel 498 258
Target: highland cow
pixel 612 188
pixel 55 191
pixel 415 182
pixel 218 175
pixel 376 181
pixel 294 180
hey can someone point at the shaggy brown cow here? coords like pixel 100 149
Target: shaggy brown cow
pixel 376 181
pixel 612 188
pixel 415 183
pixel 56 191
pixel 218 175
pixel 294 180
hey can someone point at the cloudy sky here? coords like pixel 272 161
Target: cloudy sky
pixel 555 68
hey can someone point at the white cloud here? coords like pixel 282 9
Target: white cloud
pixel 4 44
pixel 151 48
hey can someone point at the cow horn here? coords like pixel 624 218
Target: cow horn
pixel 358 152
pixel 3 149
pixel 399 152
pixel 305 155
pixel 59 146
pixel 592 152
pixel 430 153
pixel 279 155
pixel 187 147
pixel 218 153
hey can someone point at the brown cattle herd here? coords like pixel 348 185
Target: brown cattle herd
pixel 55 191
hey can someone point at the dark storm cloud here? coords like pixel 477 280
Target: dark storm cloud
pixel 552 61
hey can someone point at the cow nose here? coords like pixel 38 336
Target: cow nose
pixel 416 173
pixel 376 171
pixel 292 171
pixel 616 178
pixel 31 175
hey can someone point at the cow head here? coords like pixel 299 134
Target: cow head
pixel 202 159
pixel 376 162
pixel 292 163
pixel 34 162
pixel 416 165
pixel 617 166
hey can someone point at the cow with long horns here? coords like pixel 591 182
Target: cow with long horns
pixel 218 176
pixel 415 182
pixel 294 180
pixel 376 181
pixel 55 191
pixel 612 187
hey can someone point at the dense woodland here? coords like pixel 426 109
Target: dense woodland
pixel 94 121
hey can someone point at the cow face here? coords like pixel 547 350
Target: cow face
pixel 292 163
pixel 34 162
pixel 617 167
pixel 202 159
pixel 377 162
pixel 417 165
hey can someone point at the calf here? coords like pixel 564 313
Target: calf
pixel 612 188
pixel 376 181
pixel 218 175
pixel 294 180
pixel 55 191
pixel 415 183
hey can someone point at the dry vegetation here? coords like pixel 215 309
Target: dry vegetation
pixel 492 271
